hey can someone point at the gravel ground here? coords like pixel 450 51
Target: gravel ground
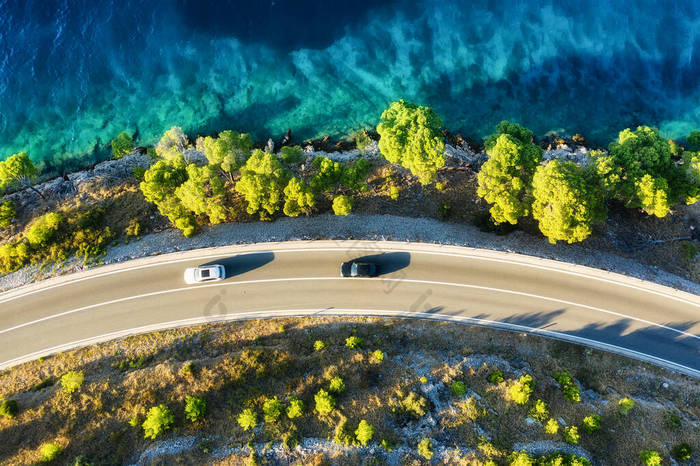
pixel 367 227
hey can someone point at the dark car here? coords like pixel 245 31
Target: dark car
pixel 358 269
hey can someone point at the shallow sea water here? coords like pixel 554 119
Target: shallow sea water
pixel 75 73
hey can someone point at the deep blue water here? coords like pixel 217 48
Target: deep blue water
pixel 75 73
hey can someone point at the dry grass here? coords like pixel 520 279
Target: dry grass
pixel 237 365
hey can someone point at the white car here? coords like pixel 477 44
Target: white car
pixel 205 273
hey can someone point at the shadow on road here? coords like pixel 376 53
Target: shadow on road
pixel 388 262
pixel 243 263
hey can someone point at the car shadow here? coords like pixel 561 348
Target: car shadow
pixel 387 262
pixel 242 263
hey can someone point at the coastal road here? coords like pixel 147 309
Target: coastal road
pixel 503 290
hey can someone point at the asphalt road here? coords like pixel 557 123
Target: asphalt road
pixel 599 309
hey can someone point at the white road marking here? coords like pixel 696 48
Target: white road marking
pixel 377 250
pixel 400 280
pixel 295 312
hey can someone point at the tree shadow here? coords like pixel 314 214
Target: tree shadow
pixel 243 263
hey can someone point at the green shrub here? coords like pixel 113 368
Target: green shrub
pixel 353 342
pixel 625 405
pixel 568 386
pixel 520 391
pixel 320 345
pixel 540 411
pixel 591 423
pixel 394 192
pixel 273 409
pixel 248 419
pixel 342 205
pixel 8 212
pixel 195 408
pixel 80 460
pixel 50 451
pixel 377 356
pixel 158 420
pixel 298 198
pixel 496 377
pixel 8 409
pixel 295 408
pixel 292 154
pixel 71 381
pixel 336 386
pixel 362 139
pixel 458 388
pixel 262 183
pixel 17 170
pixel 440 186
pixel 364 432
pixel 682 452
pixel 139 172
pixel 325 402
pixel 650 457
pixel 354 175
pixel 13 256
pixel 134 228
pixel 134 421
pixel 410 136
pixel 43 229
pixel 411 405
pixel 571 435
pixel 551 427
pixel 122 145
pixel 520 458
pixel 229 151
pixel 425 448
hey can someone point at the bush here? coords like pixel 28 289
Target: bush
pixel 8 409
pixel 625 405
pixel 362 139
pixel 364 432
pixel 591 423
pixel 328 174
pixel 650 457
pixel 139 172
pixel 325 402
pixel 425 448
pixel 292 154
pixel 354 175
pixel 377 356
pixel 320 345
pixel 295 408
pixel 682 452
pixel 496 377
pixel 71 381
pixel 394 192
pixel 353 342
pixel 423 380
pixel 43 229
pixel 195 408
pixel 411 405
pixel 571 435
pixel 122 145
pixel 520 392
pixel 539 412
pixel 552 427
pixel 8 212
pixel 336 386
pixel 50 451
pixel 458 388
pixel 520 458
pixel 248 419
pixel 273 409
pixel 410 136
pixel 133 229
pixel 568 386
pixel 158 420
pixel 440 186
pixel 342 205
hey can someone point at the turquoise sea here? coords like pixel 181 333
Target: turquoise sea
pixel 75 73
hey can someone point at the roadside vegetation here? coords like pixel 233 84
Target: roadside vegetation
pixel 442 392
pixel 228 178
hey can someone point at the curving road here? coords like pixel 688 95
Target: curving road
pixel 592 307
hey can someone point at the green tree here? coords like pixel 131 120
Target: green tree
pixel 292 154
pixel 8 212
pixel 18 170
pixel 551 427
pixel 158 420
pixel 354 175
pixel 520 391
pixel 8 409
pixel 262 183
pixel 568 386
pixel 72 381
pixel 203 193
pixel 591 423
pixel 458 388
pixel 353 341
pixel 504 179
pixel 195 408
pixel 295 408
pixel 172 144
pixel 682 451
pixel 298 198
pixel 410 136
pixel 336 386
pixel 520 458
pixel 159 185
pixel 43 229
pixel 325 402
pixel 248 419
pixel 693 139
pixel 364 432
pixel 328 174
pixel 50 451
pixel 229 151
pixel 425 448
pixel 122 145
pixel 273 409
pixel 539 412
pixel 571 435
pixel 625 405
pixel 342 205
pixel 566 204
pixel 650 457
